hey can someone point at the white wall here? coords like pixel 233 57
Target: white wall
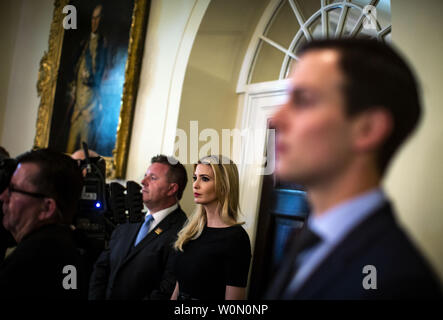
pixel 415 181
pixel 8 27
pixel 24 32
pixel 171 31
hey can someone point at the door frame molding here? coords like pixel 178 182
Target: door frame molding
pixel 260 102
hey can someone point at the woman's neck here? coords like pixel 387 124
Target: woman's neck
pixel 213 215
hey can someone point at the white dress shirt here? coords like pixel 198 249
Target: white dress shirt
pixel 160 215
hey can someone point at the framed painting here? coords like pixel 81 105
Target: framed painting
pixel 89 76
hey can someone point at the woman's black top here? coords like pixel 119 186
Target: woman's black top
pixel 220 257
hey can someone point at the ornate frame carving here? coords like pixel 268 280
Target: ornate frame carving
pixel 47 82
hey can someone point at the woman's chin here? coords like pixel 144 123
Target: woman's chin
pixel 199 201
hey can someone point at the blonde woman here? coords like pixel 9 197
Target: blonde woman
pixel 214 251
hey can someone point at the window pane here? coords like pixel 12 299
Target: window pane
pixel 291 65
pixel 292 62
pixel 308 7
pixel 352 17
pixel 284 26
pixel 299 43
pixel 333 17
pixel 384 13
pixel 316 28
pixel 268 63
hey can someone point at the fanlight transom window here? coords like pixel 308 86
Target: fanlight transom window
pixel 294 22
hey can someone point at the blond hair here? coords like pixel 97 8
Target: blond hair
pixel 227 191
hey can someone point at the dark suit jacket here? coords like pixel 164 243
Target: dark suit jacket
pixel 402 273
pixel 142 272
pixel 35 268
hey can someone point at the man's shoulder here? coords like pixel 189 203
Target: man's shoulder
pixel 124 228
pixel 47 245
pixel 399 254
pixel 387 234
pixel 178 216
pixel 47 234
pixel 180 213
pixel 381 242
pixel 381 235
pixel 377 248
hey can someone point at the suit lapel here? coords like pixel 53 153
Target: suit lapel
pixel 332 267
pixel 151 236
pixel 126 242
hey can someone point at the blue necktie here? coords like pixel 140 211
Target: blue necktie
pixel 144 229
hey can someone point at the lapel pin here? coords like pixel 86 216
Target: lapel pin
pixel 158 231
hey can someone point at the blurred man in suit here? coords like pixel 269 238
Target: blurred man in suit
pixel 139 261
pixel 39 205
pixel 351 104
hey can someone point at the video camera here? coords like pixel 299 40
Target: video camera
pixel 7 168
pixel 104 206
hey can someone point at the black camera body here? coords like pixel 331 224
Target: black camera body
pixel 7 168
pixel 104 206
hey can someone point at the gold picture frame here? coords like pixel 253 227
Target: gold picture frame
pixel 49 73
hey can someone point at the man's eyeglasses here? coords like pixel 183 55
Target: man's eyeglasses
pixel 11 189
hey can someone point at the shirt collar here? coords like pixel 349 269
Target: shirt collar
pixel 160 215
pixel 336 222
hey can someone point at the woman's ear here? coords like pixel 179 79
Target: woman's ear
pixel 371 128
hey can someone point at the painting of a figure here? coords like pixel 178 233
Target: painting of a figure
pixel 91 77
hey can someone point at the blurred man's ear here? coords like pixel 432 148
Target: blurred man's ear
pixel 49 210
pixel 371 128
pixel 173 188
